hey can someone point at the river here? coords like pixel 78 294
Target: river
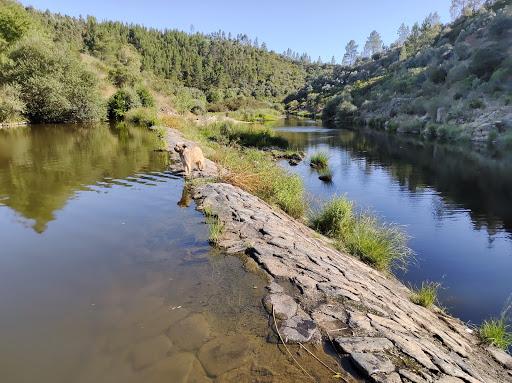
pixel 106 274
pixel 454 201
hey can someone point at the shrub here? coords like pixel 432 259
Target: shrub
pixel 14 22
pixel 12 106
pixel 56 86
pixel 145 97
pixel 319 160
pixel 426 295
pixel 476 103
pixel 485 61
pixel 457 73
pixel 121 102
pixel 500 25
pixel 495 332
pixel 438 75
pixel 142 116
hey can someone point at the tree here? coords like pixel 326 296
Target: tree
pixel 403 33
pixel 55 85
pixel 350 56
pixel 432 20
pixel 333 60
pixel 14 23
pixel 464 7
pixel 373 44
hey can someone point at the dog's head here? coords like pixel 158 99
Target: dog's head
pixel 179 148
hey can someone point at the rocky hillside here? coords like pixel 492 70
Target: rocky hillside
pixel 448 82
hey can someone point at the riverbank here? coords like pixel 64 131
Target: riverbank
pixel 319 293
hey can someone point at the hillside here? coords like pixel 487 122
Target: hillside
pixel 447 82
pixel 182 72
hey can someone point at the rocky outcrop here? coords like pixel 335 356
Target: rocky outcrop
pixel 367 314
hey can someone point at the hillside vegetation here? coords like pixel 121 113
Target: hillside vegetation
pixel 62 69
pixel 445 82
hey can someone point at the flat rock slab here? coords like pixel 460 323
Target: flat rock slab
pixel 501 356
pixel 372 364
pixel 190 333
pixel 362 301
pixel 176 368
pixel 283 306
pixel 363 344
pixel 150 351
pixel 298 329
pixel 224 354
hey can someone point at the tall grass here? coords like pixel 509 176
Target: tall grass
pixel 496 332
pixel 215 226
pixel 319 160
pixel 426 295
pixel 247 135
pixel 382 246
pixel 255 172
pixel 233 147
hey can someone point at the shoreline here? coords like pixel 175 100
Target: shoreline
pixel 333 296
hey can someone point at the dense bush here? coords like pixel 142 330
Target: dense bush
pixel 14 23
pixel 438 75
pixel 121 102
pixel 485 61
pixel 500 25
pixel 11 105
pixel 142 116
pixel 145 97
pixel 56 86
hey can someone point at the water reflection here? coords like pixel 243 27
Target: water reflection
pixel 42 168
pixel 453 200
pixel 115 280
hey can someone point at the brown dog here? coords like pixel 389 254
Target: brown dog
pixel 191 157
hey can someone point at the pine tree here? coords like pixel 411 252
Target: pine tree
pixel 403 33
pixel 333 60
pixel 464 7
pixel 350 56
pixel 373 44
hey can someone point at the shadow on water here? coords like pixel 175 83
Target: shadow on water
pixel 454 201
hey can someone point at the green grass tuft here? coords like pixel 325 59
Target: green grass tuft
pixel 325 174
pixel 495 332
pixel 426 295
pixel 319 160
pixel 382 246
pixel 215 227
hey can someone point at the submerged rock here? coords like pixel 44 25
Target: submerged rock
pixel 190 333
pixel 223 354
pixel 148 352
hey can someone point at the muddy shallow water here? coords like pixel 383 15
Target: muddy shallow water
pixel 107 276
pixel 455 202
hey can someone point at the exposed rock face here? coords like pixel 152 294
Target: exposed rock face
pixel 368 314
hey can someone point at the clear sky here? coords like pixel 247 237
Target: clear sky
pixel 318 27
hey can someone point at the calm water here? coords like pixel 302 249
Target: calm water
pixel 106 274
pixel 454 202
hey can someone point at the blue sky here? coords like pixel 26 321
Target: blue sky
pixel 320 27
